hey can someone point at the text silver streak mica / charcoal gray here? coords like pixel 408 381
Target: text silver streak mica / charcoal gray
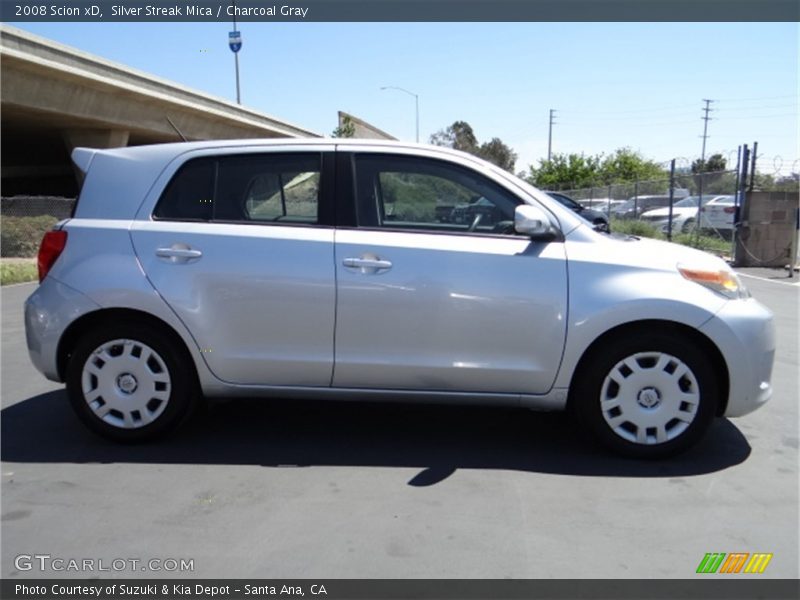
pixel 378 271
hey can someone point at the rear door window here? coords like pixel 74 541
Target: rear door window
pixel 262 188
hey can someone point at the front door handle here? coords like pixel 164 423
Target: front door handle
pixel 367 264
pixel 179 253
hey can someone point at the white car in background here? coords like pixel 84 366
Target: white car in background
pixel 684 214
pixel 602 204
pixel 719 214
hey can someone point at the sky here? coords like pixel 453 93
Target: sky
pixel 613 85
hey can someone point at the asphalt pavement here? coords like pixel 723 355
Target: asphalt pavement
pixel 296 489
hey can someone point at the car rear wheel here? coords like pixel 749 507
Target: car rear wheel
pixel 128 383
pixel 651 396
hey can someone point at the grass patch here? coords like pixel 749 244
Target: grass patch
pixel 637 228
pixel 21 236
pixel 18 271
pixel 708 243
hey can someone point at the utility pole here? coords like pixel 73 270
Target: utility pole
pixel 550 134
pixel 707 109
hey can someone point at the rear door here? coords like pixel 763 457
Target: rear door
pixel 435 290
pixel 240 245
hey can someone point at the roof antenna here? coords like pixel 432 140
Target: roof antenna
pixel 177 130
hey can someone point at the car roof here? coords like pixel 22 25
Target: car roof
pixel 178 148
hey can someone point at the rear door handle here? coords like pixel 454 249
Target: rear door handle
pixel 179 253
pixel 367 265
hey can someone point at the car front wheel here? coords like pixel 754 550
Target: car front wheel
pixel 651 396
pixel 128 383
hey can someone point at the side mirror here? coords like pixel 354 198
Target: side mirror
pixel 533 222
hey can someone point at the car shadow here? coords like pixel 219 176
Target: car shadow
pixel 436 439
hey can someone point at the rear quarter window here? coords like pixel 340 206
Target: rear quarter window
pixel 189 195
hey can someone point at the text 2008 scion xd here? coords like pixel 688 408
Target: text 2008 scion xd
pixel 378 271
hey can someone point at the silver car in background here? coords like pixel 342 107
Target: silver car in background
pixel 319 269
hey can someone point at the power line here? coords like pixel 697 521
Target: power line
pixel 682 107
pixel 742 109
pixel 735 100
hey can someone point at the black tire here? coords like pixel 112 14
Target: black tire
pixel 688 226
pixel 633 409
pixel 177 395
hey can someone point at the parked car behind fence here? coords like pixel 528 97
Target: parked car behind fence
pixel 634 207
pixel 684 214
pixel 718 215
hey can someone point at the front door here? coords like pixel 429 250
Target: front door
pixel 435 290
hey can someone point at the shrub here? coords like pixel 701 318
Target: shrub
pixel 637 228
pixel 709 243
pixel 18 272
pixel 21 236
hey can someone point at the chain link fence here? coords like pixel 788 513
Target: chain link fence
pixel 651 203
pixel 25 219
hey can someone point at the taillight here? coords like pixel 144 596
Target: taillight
pixel 729 210
pixel 53 244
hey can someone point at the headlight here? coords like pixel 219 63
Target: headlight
pixel 723 281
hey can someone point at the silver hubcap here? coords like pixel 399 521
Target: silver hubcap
pixel 650 398
pixel 126 383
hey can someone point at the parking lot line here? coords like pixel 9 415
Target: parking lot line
pixel 794 283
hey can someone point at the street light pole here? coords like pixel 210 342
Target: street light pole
pixel 416 101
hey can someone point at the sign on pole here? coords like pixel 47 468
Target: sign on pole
pixel 235 40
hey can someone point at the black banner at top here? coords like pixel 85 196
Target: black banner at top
pixel 398 10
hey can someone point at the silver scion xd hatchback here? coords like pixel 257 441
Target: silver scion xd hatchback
pixel 378 271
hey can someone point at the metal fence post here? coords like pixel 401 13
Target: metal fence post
pixel 793 247
pixel 739 202
pixel 671 198
pixel 699 201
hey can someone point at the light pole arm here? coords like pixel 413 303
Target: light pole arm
pixel 416 101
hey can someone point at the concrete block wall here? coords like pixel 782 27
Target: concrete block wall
pixel 768 222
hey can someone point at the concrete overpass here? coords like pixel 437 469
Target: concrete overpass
pixel 54 98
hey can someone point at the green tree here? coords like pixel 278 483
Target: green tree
pixel 458 136
pixel 565 171
pixel 496 152
pixel 788 183
pixel 346 129
pixel 627 165
pixel 714 163
pixel 709 172
pixel 771 183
